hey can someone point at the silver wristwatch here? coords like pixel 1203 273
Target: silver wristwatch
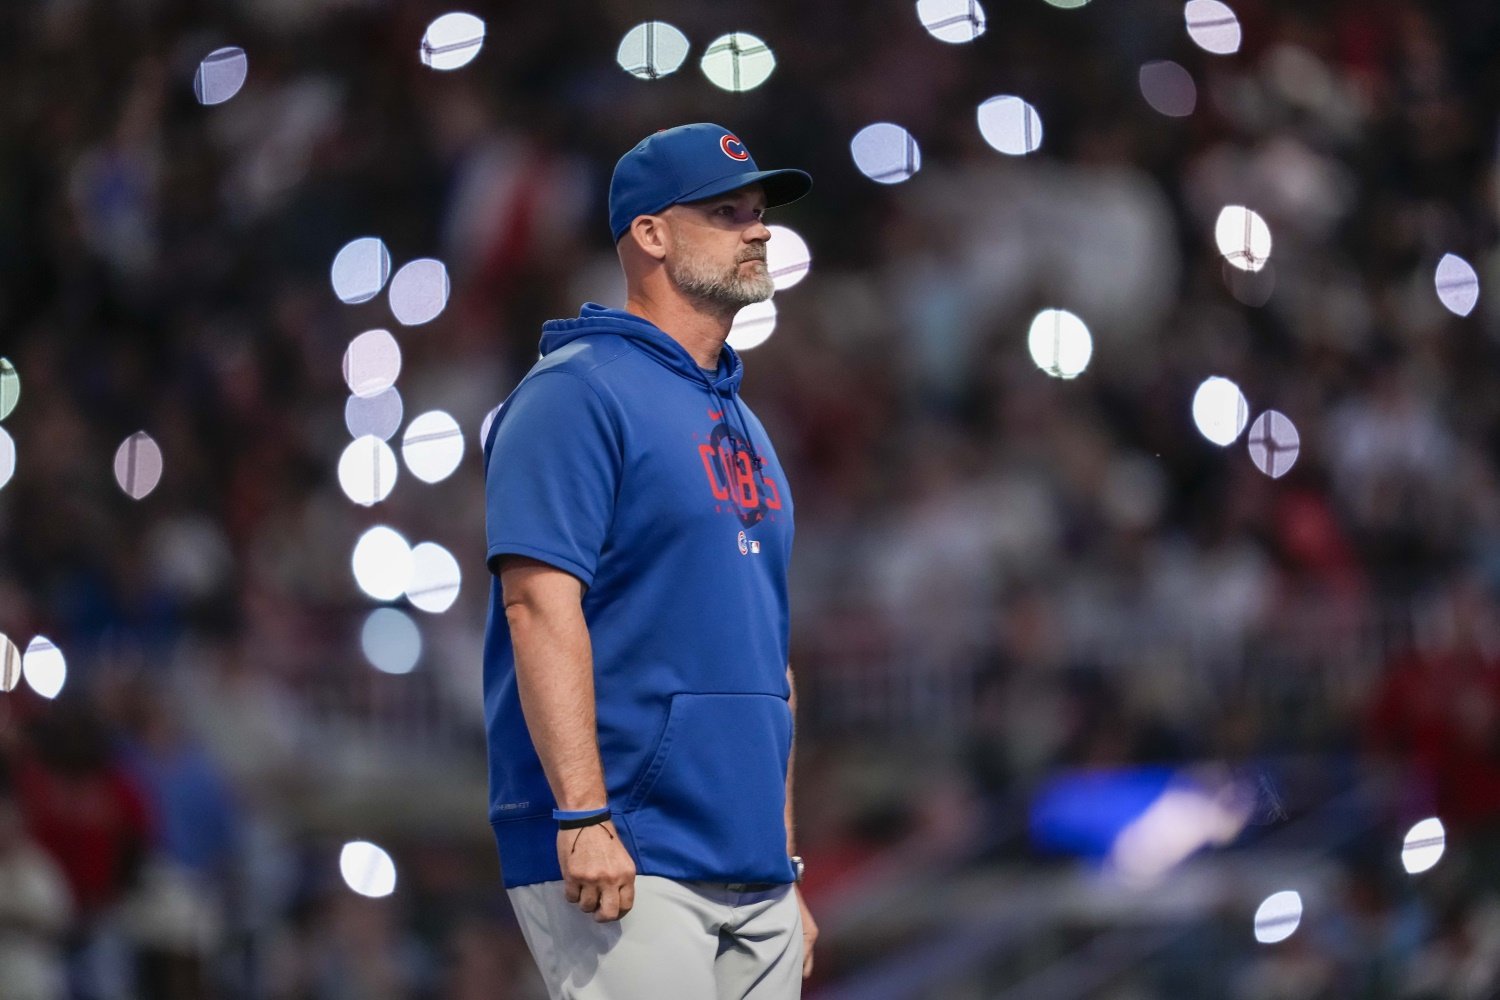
pixel 798 866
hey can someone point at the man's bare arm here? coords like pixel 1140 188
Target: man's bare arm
pixel 555 678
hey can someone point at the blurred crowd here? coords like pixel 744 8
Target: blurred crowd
pixel 1005 574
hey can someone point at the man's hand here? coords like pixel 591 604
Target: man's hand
pixel 809 933
pixel 598 873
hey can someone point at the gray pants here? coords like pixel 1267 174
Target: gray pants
pixel 681 941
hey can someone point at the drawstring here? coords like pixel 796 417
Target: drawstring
pixel 755 460
pixel 745 426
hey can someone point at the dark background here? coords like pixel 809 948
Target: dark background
pixel 1004 584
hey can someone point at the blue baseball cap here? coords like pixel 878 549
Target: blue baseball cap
pixel 690 163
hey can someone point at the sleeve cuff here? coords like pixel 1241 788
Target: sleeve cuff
pixel 541 555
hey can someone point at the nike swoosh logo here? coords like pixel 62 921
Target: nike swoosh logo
pixel 715 414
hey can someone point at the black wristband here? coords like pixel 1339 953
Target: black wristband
pixel 578 824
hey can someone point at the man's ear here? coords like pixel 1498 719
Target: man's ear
pixel 651 234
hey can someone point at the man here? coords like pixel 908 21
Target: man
pixel 638 698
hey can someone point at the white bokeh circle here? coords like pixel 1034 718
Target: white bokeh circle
pixel 435 578
pixel 367 470
pixel 391 641
pixel 753 325
pixel 1213 26
pixel 1243 237
pixel 1457 284
pixel 886 153
pixel 737 62
pixel 652 50
pixel 952 21
pixel 1010 125
pixel 432 446
pixel 1220 410
pixel 1060 343
pixel 45 667
pixel 452 40
pixel 360 270
pixel 367 869
pixel 1278 916
pixel 787 257
pixel 382 563
pixel 220 75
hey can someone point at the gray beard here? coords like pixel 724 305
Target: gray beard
pixel 726 291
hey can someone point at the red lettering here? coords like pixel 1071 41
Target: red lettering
pixel 773 495
pixel 720 492
pixel 749 497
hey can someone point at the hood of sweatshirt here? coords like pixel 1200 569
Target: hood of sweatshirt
pixel 594 319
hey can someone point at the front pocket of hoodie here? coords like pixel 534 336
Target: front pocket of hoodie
pixel 712 803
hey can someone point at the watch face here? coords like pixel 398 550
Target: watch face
pixel 799 867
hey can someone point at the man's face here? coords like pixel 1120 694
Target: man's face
pixel 718 250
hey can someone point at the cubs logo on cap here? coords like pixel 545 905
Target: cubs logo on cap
pixel 690 163
pixel 733 148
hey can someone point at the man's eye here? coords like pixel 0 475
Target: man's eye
pixel 727 210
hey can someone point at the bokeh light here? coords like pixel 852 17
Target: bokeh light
pixel 367 470
pixel 652 50
pixel 220 75
pixel 1010 125
pixel 45 668
pixel 432 446
pixel 372 363
pixel 753 325
pixel 952 21
pixel 367 869
pixel 1060 343
pixel 138 465
pixel 737 62
pixel 1168 88
pixel 1220 410
pixel 1243 237
pixel 885 153
pixel 10 387
pixel 1423 846
pixel 419 292
pixel 377 416
pixel 1212 26
pixel 360 270
pixel 1274 443
pixel 1184 819
pixel 435 578
pixel 10 664
pixel 787 257
pixel 7 457
pixel 1456 281
pixel 382 563
pixel 1278 916
pixel 452 40
pixel 390 641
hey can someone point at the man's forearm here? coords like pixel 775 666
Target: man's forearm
pixel 791 765
pixel 555 678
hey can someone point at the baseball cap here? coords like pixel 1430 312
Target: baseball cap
pixel 689 163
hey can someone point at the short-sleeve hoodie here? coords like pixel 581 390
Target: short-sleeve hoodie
pixel 622 462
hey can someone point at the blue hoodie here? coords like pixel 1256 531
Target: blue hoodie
pixel 622 462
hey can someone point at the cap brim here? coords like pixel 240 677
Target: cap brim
pixel 781 186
